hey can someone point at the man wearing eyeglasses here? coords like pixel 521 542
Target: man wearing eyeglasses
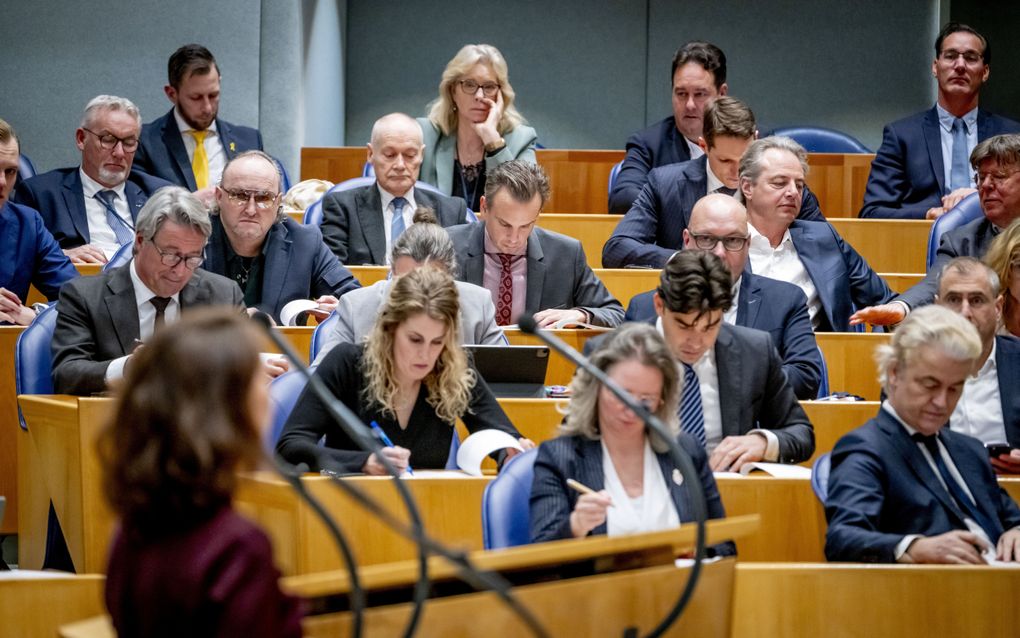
pixel 273 259
pixel 921 169
pixel 91 209
pixel 719 225
pixel 653 228
pixel 102 319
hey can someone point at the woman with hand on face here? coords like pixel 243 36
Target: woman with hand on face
pixel 1003 257
pixel 410 376
pixel 473 125
pixel 605 447
pixel 190 414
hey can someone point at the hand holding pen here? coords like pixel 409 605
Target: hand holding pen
pixel 399 457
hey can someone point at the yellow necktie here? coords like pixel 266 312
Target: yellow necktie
pixel 200 161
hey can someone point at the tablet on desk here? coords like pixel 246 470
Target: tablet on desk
pixel 512 371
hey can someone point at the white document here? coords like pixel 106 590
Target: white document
pixel 778 470
pixel 476 447
pixel 290 312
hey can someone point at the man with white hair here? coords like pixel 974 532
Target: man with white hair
pixel 904 487
pixel 91 209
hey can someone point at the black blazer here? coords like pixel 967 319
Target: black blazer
pixel 658 145
pixel 970 240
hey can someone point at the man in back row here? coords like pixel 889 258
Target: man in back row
pixel 921 169
pixel 191 145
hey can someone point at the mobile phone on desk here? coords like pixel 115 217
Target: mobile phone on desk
pixel 995 450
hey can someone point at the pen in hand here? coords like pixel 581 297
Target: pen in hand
pixel 581 487
pixel 386 441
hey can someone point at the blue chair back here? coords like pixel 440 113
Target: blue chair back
pixel 817 139
pixel 284 177
pixel 120 258
pixel 321 333
pixel 26 168
pixel 33 361
pixel 613 174
pixel 313 214
pixel 284 391
pixel 820 477
pixel 506 513
pixel 451 460
pixel 823 387
pixel 369 170
pixel 966 211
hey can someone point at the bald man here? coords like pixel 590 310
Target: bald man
pixel 718 224
pixel 360 224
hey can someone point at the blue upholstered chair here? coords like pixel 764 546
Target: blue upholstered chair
pixel 369 170
pixel 33 361
pixel 322 333
pixel 816 139
pixel 284 391
pixel 823 387
pixel 121 257
pixel 820 477
pixel 26 168
pixel 506 513
pixel 966 211
pixel 613 174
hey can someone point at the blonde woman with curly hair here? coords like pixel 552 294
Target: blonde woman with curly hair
pixel 410 376
pixel 473 126
pixel 1003 257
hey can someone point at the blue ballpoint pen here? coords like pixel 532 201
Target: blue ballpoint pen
pixel 386 441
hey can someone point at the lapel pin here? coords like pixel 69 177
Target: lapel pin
pixel 678 478
pixel 232 148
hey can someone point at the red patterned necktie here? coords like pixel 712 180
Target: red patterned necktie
pixel 505 302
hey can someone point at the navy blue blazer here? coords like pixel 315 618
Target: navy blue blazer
pixel 843 279
pixel 784 316
pixel 653 228
pixel 907 175
pixel 658 145
pixel 31 255
pixel 297 265
pixel 161 149
pixel 881 489
pixel 970 240
pixel 1007 362
pixel 60 198
pixel 579 458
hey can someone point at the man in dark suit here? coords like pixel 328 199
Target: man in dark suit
pixel 698 76
pixel 811 255
pixel 273 259
pixel 360 225
pixel 905 488
pixel 921 171
pixel 101 319
pixel 997 162
pixel 653 228
pixel 191 145
pixel 989 408
pixel 718 223
pixel 91 209
pixel 31 255
pixel 736 398
pixel 528 269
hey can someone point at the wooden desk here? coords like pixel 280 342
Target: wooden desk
pixel 626 283
pixel 888 245
pixel 839 180
pixel 792 520
pixel 840 600
pixel 369 275
pixel 900 282
pixel 35 608
pixel 851 361
pixel 591 230
pixel 9 432
pixel 579 179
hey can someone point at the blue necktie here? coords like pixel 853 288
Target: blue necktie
pixel 398 219
pixel 124 232
pixel 692 421
pixel 959 173
pixel 955 491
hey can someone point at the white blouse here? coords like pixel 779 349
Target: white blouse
pixel 652 511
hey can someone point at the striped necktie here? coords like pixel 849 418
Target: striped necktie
pixel 692 421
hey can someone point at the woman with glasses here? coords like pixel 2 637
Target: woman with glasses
pixel 1003 257
pixel 622 479
pixel 473 125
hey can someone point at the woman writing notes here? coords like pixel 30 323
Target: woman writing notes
pixel 632 484
pixel 473 125
pixel 411 377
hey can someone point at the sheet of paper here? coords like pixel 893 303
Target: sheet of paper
pixel 289 313
pixel 778 470
pixel 479 445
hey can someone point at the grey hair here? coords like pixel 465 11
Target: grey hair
pixel 109 103
pixel 931 327
pixel 280 213
pixel 637 341
pixel 426 242
pixel 751 162
pixel 176 204
pixel 967 266
pixel 1003 149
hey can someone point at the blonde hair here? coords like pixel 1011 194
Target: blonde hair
pixel 640 342
pixel 432 292
pixel 443 111
pixel 928 327
pixel 1005 249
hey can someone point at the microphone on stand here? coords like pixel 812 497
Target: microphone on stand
pixel 680 458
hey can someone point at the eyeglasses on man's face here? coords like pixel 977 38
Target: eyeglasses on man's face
pixel 263 199
pixel 109 141
pixel 170 259
pixel 709 242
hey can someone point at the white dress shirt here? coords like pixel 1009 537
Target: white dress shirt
pixel 146 319
pixel 714 183
pixel 387 207
pixel 783 263
pixel 101 235
pixel 214 150
pixel 730 316
pixel 696 151
pixel 652 511
pixel 979 410
pixel 946 135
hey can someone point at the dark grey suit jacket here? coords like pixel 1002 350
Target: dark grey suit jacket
pixel 970 240
pixel 97 322
pixel 352 221
pixel 558 273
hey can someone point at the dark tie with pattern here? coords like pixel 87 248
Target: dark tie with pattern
pixel 124 232
pixel 955 490
pixel 160 303
pixel 505 300
pixel 726 191
pixel 692 420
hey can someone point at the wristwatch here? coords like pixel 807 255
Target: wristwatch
pixel 495 147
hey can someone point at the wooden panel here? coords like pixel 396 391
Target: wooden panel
pixel 877 601
pixel 10 430
pixel 833 419
pixel 334 164
pixel 85 270
pixel 839 180
pixel 851 362
pixel 888 245
pixel 591 230
pixel 369 275
pixel 560 370
pixel 792 520
pixel 579 179
pixel 626 283
pixel 900 282
pixel 35 608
